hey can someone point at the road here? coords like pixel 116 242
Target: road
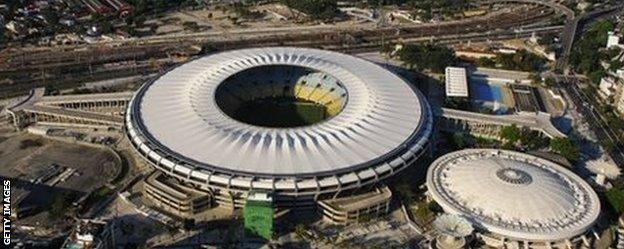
pixel 586 105
pixel 569 31
pixel 551 4
pixel 567 39
pixel 571 27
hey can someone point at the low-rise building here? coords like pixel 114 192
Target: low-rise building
pixel 92 234
pixel 174 197
pixel 354 208
pixel 619 101
pixel 456 82
pixel 613 40
pixel 15 27
pixel 607 87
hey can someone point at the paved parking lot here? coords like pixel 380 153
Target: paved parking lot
pixel 72 169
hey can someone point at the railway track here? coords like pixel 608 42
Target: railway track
pixel 61 81
pixel 24 59
pixel 58 68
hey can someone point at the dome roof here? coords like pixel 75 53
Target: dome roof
pixel 378 117
pixel 513 194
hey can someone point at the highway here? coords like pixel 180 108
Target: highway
pixel 570 31
pixel 551 4
pixel 567 40
pixel 586 105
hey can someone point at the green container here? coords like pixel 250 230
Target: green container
pixel 259 219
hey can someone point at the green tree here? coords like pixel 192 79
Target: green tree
pixel 522 60
pixel 460 140
pixel 615 198
pixel 427 57
pixel 317 9
pixel 566 148
pixel 140 6
pixel 550 82
pixel 97 18
pixel 60 205
pixel 406 194
pixel 587 52
pixel 435 207
pixel 596 75
pixel 510 133
pixel 51 16
pixel 486 62
pixel 533 140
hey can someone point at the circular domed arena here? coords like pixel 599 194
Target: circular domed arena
pixel 302 124
pixel 515 200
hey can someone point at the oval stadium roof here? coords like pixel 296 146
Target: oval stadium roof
pixel 177 113
pixel 513 194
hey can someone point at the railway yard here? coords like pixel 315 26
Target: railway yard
pixel 68 66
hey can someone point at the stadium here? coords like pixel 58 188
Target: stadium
pixel 515 200
pixel 301 124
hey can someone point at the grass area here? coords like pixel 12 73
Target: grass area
pixel 425 212
pixel 281 112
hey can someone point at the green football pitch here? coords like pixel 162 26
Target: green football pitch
pixel 281 112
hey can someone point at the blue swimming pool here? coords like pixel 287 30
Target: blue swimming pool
pixel 486 92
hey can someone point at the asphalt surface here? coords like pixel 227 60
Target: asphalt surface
pixel 572 24
pixel 586 105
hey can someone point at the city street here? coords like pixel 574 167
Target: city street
pixel 598 124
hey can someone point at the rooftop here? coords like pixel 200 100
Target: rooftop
pixel 360 201
pixel 456 82
pixel 513 194
pixel 178 113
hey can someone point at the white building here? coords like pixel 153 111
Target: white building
pixel 619 103
pixel 620 73
pixel 456 82
pixel 515 200
pixel 15 27
pixel 613 39
pixel 607 87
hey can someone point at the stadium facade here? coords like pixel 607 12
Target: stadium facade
pixel 515 200
pixel 197 123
